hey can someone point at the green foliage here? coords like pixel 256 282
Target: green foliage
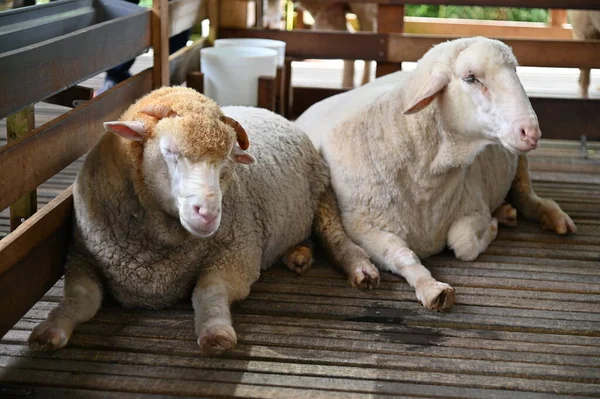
pixel 490 13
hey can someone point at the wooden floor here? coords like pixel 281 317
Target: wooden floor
pixel 526 324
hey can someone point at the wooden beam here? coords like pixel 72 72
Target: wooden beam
pixel 558 17
pixel 160 43
pixel 266 93
pixel 234 13
pixel 505 29
pixel 562 4
pixel 184 61
pixel 56 144
pixel 18 126
pixel 390 19
pixel 33 257
pixel 540 53
pixel 301 44
pixel 214 16
pixel 89 52
pixel 182 15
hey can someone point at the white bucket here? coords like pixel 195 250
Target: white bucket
pixel 231 73
pixel 276 45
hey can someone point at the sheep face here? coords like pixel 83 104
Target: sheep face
pixel 480 96
pixel 187 163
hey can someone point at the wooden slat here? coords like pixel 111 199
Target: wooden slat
pixel 465 27
pixel 308 44
pixel 562 4
pixel 541 53
pixel 71 97
pixel 184 61
pixel 182 15
pixel 56 144
pixel 82 55
pixel 160 43
pixel 37 248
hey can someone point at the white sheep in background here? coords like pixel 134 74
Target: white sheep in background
pixel 163 209
pixel 420 160
pixel 586 26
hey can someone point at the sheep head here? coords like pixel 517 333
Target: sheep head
pixel 478 91
pixel 186 150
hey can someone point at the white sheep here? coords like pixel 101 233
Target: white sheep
pixel 586 26
pixel 163 208
pixel 420 160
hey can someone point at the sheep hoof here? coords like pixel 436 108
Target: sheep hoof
pixel 217 339
pixel 364 277
pixel 46 337
pixel 506 215
pixel 558 221
pixel 435 296
pixel 299 259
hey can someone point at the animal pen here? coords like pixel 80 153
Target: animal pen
pixel 527 319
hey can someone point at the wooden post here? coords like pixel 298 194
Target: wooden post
pixel 558 17
pixel 287 88
pixel 390 19
pixel 214 16
pixel 266 92
pixel 18 125
pixel 195 80
pixel 160 43
pixel 234 13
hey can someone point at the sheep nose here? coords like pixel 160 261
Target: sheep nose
pixel 204 214
pixel 530 134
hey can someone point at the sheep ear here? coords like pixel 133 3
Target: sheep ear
pixel 131 130
pixel 241 156
pixel 240 132
pixel 437 83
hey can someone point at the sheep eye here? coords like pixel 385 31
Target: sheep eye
pixel 470 79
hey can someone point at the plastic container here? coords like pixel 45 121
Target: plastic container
pixel 276 45
pixel 231 73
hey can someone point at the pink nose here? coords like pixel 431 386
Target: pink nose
pixel 205 215
pixel 530 134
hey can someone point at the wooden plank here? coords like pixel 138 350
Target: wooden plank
pixel 465 27
pixel 26 26
pixel 558 17
pixel 37 248
pixel 160 43
pixel 19 126
pixel 390 19
pixel 185 61
pixel 56 144
pixel 182 15
pixel 83 55
pixel 562 4
pixel 266 92
pixel 234 13
pixel 15 247
pixel 541 53
pixel 329 45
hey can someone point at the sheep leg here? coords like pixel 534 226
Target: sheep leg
pixel 394 255
pixel 470 235
pixel 343 252
pixel 212 297
pixel 544 210
pixel 506 215
pixel 299 259
pixel 81 300
pixel 584 82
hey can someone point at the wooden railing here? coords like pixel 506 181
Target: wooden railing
pixel 32 256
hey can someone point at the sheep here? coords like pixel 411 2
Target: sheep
pixel 419 161
pixel 586 26
pixel 171 205
pixel 332 17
